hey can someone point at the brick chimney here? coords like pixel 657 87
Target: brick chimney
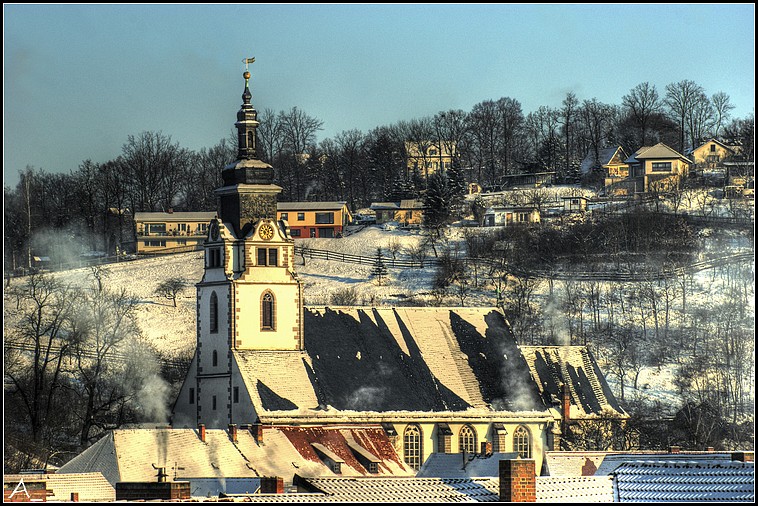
pixel 517 481
pixel 272 485
pixel 74 496
pixel 565 403
pixel 674 449
pixel 257 430
pixel 233 432
pixel 743 456
pixel 709 449
pixel 201 432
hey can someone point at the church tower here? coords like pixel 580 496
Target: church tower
pixel 250 297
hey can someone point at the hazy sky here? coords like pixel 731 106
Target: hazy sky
pixel 78 79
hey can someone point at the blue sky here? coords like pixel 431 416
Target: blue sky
pixel 78 79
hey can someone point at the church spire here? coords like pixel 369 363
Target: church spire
pixel 247 122
pixel 248 193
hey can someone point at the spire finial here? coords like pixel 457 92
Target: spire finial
pixel 246 74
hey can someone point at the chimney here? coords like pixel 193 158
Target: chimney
pixel 233 432
pixel 674 449
pixel 170 210
pixel 517 481
pixel 709 449
pixel 272 485
pixel 743 456
pixel 74 496
pixel 201 431
pixel 565 403
pixel 486 448
pixel 257 430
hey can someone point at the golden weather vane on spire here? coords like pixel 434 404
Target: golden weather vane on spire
pixel 247 61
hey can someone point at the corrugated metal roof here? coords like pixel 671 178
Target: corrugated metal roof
pixel 682 481
pixel 407 489
pixel 394 359
pixel 309 206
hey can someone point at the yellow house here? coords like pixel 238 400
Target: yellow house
pixel 709 155
pixel 429 157
pixel 160 232
pixel 657 167
pixel 405 212
pixel 511 215
pixel 315 219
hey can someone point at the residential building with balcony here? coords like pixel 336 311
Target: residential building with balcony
pixel 314 219
pixel 160 232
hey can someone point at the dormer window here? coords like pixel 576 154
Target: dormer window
pixel 328 457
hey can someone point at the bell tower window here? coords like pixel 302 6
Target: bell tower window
pixel 214 313
pixel 267 312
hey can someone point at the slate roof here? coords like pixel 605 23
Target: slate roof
pixel 394 359
pixel 681 481
pixel 91 487
pixel 129 454
pixel 574 365
pixel 450 465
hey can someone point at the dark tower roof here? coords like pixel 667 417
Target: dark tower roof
pixel 247 169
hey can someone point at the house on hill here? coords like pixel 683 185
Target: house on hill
pixel 158 232
pixel 657 168
pixel 315 219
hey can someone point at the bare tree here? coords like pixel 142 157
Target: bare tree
pixel 642 104
pixel 171 288
pixel 722 107
pixel 680 99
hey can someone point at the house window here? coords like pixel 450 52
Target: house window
pixel 236 394
pixel 215 358
pixel 155 244
pixel 662 166
pixel 412 446
pixel 295 232
pixel 432 152
pixel 467 439
pixel 327 233
pixel 521 443
pixel 267 311
pixel 324 218
pixel 156 229
pixel 373 467
pixel 284 216
pixel 181 242
pixel 300 216
pixel 713 148
pixel 214 313
pixel 214 403
pixel 192 396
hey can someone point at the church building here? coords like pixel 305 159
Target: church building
pixel 437 380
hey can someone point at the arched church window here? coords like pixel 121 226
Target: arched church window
pixel 214 313
pixel 467 439
pixel 412 446
pixel 522 443
pixel 267 311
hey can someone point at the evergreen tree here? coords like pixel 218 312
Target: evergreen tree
pixel 438 201
pixel 380 270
